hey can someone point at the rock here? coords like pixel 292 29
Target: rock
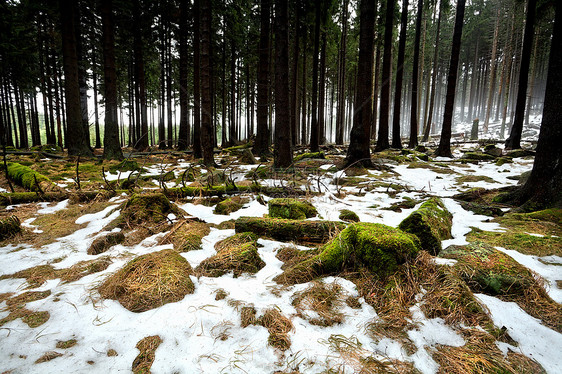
pixel 291 208
pixel 103 243
pixel 348 216
pixel 485 210
pixel 492 150
pixel 431 223
pixel 377 247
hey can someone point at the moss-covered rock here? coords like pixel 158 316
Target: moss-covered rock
pixel 29 178
pixel 485 210
pixel 503 160
pixel 9 227
pixel 478 156
pixel 348 216
pixel 291 208
pixel 302 156
pixel 431 223
pixel 289 229
pixel 103 243
pixel 150 281
pixel 374 246
pixel 228 206
pixel 237 254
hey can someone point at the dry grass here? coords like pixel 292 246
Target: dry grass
pixel 147 347
pixel 235 241
pixel 323 300
pixel 291 255
pixel 279 327
pixel 187 235
pixel 66 344
pixel 238 260
pixel 149 281
pixel 220 294
pixel 221 331
pixel 48 356
pixel 247 316
pixel 31 318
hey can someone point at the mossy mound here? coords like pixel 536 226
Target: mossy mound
pixel 148 210
pixel 187 235
pixel 374 246
pixel 478 156
pixel 125 165
pixel 291 208
pixel 302 156
pixel 29 178
pixel 348 216
pixel 431 223
pixel 9 227
pixel 103 243
pixel 289 229
pixel 228 206
pixel 237 254
pixel 485 210
pixel 150 281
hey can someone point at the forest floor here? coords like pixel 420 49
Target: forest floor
pixel 439 313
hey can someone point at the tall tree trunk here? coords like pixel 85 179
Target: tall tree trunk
pixel 169 92
pixel 509 57
pixel 532 75
pixel 431 107
pixel 340 110
pixel 314 133
pixel 111 146
pixel 444 148
pixel 283 154
pixel 322 93
pixel 414 110
pixel 206 79
pixel 492 83
pixel 77 138
pixel 396 141
pixel 261 146
pixel 82 74
pixel 377 76
pixel 514 139
pixel 382 140
pixel 197 152
pixel 232 133
pixel 304 97
pixel 360 136
pixel 142 140
pixel 183 138
pixel 294 81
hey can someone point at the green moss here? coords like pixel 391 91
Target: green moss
pixel 188 236
pixel 9 227
pixel 228 206
pixel 407 203
pixel 377 247
pixel 309 155
pixel 125 165
pixel 291 208
pixel 36 319
pixel 485 210
pixel 239 259
pixel 236 240
pixel 503 160
pixel 431 223
pixel 478 156
pixel 474 178
pixel 146 209
pixel 348 216
pixel 29 178
pixel 288 229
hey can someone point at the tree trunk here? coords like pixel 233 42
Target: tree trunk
pixel 340 110
pixel 183 138
pixel 396 141
pixel 492 83
pixel 358 151
pixel 111 146
pixel 77 139
pixel 514 139
pixel 294 81
pixel 322 93
pixel 414 110
pixel 261 146
pixel 283 154
pixel 314 134
pixel 206 80
pixel 197 152
pixel 382 140
pixel 82 74
pixel 431 109
pixel 444 148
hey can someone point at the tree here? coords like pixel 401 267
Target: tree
pixel 382 141
pixel 261 146
pixel 197 152
pixel 414 111
pixel 358 150
pixel 111 146
pixel 396 141
pixel 444 148
pixel 283 154
pixel 206 79
pixel 544 186
pixel 140 79
pixel 77 139
pixel 514 139
pixel 183 137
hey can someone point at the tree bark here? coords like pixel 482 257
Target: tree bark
pixel 197 152
pixel 382 139
pixel 206 80
pixel 358 151
pixel 314 133
pixel 183 137
pixel 427 128
pixel 415 74
pixel 396 141
pixel 444 148
pixel 261 146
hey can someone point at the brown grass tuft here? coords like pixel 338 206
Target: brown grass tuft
pixel 279 327
pixel 48 356
pixel 66 344
pixel 239 260
pixel 147 347
pixel 149 281
pixel 247 316
pixel 187 235
pixel 324 300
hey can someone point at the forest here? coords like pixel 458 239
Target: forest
pixel 281 186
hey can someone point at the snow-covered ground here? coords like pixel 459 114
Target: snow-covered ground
pixel 190 329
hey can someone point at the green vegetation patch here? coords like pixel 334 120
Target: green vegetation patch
pixel 150 281
pixel 348 216
pixel 187 235
pixel 289 229
pixel 291 208
pixel 474 178
pixel 229 205
pixel 302 156
pixel 376 247
pixel 125 165
pixel 147 210
pixel 236 259
pixel 29 178
pixel 431 223
pixel 103 243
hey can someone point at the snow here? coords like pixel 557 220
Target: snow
pixel 535 340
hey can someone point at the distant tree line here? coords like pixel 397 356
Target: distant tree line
pixel 203 73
